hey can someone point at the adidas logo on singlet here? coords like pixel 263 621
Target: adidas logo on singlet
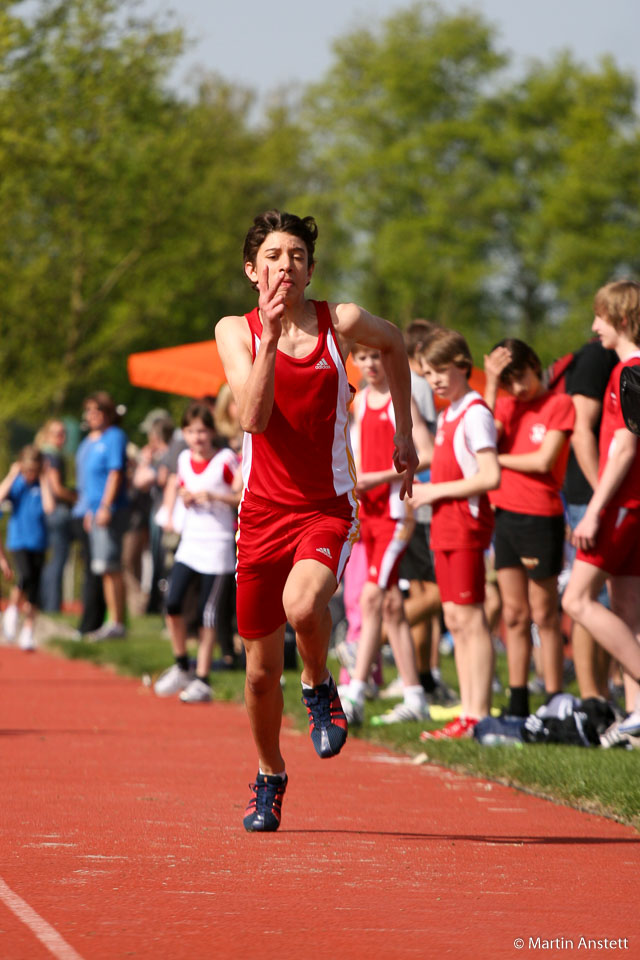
pixel 324 550
pixel 323 365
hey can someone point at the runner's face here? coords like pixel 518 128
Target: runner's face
pixel 448 381
pixel 198 437
pixel 285 256
pixel 369 362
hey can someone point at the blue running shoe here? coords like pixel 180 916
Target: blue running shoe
pixel 263 810
pixel 327 722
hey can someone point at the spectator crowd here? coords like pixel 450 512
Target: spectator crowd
pixel 523 533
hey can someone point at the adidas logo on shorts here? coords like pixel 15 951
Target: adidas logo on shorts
pixel 322 365
pixel 324 550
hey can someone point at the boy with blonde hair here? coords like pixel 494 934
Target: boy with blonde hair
pixel 608 536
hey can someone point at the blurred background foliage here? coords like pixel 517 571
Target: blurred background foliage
pixel 444 186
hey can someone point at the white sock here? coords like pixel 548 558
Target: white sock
pixel 307 686
pixel 414 696
pixel 263 774
pixel 356 691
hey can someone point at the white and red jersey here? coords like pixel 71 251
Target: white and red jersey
pixel 463 428
pixel 376 428
pixel 304 455
pixel 207 543
pixel 525 425
pixel 628 493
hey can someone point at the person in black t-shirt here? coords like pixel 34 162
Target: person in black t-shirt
pixel 586 381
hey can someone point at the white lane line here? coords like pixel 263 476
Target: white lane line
pixel 39 927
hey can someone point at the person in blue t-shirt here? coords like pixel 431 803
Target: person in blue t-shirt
pixel 105 494
pixel 27 488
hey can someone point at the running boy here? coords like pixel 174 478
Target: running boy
pixel 608 536
pixel 206 552
pixel 285 364
pixel 534 427
pixel 464 468
pixel 385 530
pixel 27 487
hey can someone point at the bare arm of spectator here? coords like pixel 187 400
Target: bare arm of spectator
pixel 616 468
pixel 583 440
pixel 5 566
pixel 537 461
pixel 58 489
pixel 169 500
pixel 494 364
pixel 7 483
pixel 109 494
pixel 48 499
pixel 486 478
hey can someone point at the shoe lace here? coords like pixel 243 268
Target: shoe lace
pixel 319 704
pixel 265 795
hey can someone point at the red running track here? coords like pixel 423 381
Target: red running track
pixel 121 837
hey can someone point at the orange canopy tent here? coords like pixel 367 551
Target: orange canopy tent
pixel 190 370
pixel 195 370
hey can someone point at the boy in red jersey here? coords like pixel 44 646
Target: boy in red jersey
pixel 608 536
pixel 534 427
pixel 464 467
pixel 385 529
pixel 285 364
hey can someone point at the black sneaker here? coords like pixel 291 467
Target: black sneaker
pixel 263 810
pixel 328 725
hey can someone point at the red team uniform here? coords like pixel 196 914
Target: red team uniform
pixel 382 512
pixel 299 479
pixel 525 425
pixel 461 528
pixel 617 547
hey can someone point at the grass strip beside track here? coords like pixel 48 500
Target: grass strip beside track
pixel 600 781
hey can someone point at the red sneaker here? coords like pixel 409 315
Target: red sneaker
pixel 454 730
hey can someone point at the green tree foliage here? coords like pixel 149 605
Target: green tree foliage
pixel 482 202
pixel 122 207
pixel 443 187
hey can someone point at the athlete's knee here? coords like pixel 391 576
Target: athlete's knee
pixel 515 616
pixel 393 606
pixel 304 613
pixel 371 600
pixel 261 676
pixel 574 603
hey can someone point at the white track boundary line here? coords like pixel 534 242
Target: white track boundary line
pixel 39 927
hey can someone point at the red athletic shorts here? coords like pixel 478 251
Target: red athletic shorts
pixel 460 575
pixel 271 539
pixel 384 540
pixel 617 546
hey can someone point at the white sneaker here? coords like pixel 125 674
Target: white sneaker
pixel 402 713
pixel 173 681
pixel 354 712
pixel 197 692
pixel 347 654
pixel 26 641
pixel 10 623
pixel 393 690
pixel 630 726
pixel 108 631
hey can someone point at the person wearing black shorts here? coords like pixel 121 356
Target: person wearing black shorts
pixel 534 427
